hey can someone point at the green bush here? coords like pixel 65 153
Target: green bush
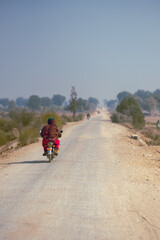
pixel 3 138
pixel 27 136
pixel 6 137
pixel 130 108
pixel 37 123
pixel 22 117
pixel 138 120
pixel 7 125
pixel 2 122
pixel 117 117
pixel 114 118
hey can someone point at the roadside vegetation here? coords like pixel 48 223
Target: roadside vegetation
pixel 129 113
pixel 152 134
pixel 24 126
pixel 22 120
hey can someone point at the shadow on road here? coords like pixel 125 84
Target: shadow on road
pixel 29 162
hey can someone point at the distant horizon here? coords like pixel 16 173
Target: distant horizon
pixel 67 98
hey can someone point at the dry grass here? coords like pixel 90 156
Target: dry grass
pixel 151 131
pixel 152 119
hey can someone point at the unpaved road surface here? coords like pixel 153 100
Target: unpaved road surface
pixel 102 186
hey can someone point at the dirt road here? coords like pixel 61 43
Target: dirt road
pixel 102 186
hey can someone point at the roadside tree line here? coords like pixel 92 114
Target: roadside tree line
pixel 148 101
pixel 33 102
pixel 57 102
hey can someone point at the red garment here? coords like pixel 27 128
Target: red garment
pixel 56 143
pixel 50 133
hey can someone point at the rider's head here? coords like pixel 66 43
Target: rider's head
pixel 51 120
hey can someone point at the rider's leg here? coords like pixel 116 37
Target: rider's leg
pixel 44 142
pixel 57 143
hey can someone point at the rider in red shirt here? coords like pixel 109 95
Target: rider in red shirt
pixel 50 133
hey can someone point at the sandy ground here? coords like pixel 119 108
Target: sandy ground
pixel 103 185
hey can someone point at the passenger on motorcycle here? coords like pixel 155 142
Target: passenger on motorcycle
pixel 50 133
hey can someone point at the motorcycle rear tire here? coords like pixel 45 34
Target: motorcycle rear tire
pixel 50 157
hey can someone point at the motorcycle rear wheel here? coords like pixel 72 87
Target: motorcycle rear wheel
pixel 50 157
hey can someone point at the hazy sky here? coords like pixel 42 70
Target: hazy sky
pixel 101 47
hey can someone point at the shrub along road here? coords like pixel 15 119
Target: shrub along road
pixel 103 185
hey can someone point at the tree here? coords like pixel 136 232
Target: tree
pixel 73 102
pixel 139 100
pixel 150 104
pixel 12 105
pixel 83 105
pixel 4 102
pixel 112 104
pixel 123 95
pixel 93 101
pixel 129 107
pixel 157 91
pixel 46 102
pixel 58 99
pixel 143 94
pixel 34 102
pixel 156 95
pixel 21 102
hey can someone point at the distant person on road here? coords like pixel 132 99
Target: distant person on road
pixel 50 133
pixel 88 116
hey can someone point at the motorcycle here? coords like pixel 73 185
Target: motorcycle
pixel 88 116
pixel 51 153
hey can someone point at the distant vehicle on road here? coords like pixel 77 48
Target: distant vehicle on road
pixel 88 116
